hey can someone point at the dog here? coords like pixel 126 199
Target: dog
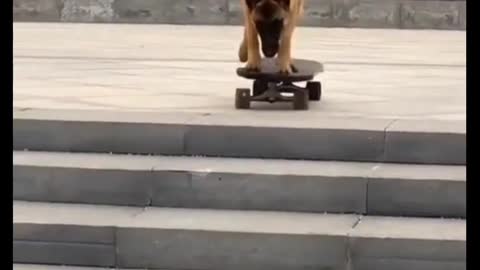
pixel 274 21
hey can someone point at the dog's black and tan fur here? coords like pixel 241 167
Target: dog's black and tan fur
pixel 274 22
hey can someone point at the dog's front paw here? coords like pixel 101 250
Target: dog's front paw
pixel 253 64
pixel 287 68
pixel 285 71
pixel 294 68
pixel 284 65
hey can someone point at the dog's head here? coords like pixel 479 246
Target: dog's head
pixel 268 16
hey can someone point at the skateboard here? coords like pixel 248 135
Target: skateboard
pixel 269 85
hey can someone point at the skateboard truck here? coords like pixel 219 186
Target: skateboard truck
pixel 271 86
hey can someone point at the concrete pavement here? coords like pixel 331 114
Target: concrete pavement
pixel 393 74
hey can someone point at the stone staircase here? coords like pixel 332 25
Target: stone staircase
pixel 191 191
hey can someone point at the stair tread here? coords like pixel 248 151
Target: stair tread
pixel 56 267
pixel 287 120
pixel 182 218
pixel 239 221
pixel 240 165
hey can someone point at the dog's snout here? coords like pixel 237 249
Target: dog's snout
pixel 270 47
pixel 270 32
pixel 270 51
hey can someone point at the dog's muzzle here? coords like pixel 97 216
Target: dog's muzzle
pixel 270 32
pixel 270 50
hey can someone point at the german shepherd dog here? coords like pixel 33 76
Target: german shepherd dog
pixel 274 22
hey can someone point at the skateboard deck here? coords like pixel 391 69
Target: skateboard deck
pixel 269 71
pixel 271 85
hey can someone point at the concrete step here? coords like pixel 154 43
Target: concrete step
pixel 245 184
pixel 55 267
pixel 168 238
pixel 285 136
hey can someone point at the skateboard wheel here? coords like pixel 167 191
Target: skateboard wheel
pixel 242 98
pixel 259 87
pixel 300 100
pixel 314 90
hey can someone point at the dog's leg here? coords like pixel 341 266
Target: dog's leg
pixel 243 50
pixel 250 36
pixel 253 48
pixel 284 52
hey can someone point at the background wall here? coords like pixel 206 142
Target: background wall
pixel 411 14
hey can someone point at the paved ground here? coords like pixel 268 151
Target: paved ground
pixel 368 73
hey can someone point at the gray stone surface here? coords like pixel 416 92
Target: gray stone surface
pixel 54 267
pixel 462 10
pixel 37 10
pixel 422 142
pixel 347 139
pixel 78 216
pixel 63 233
pixel 413 249
pixel 425 126
pixel 364 80
pixel 216 239
pixel 318 13
pixel 288 121
pixel 98 137
pixel 432 14
pixel 419 172
pixel 163 68
pixel 366 13
pixel 213 239
pixel 119 187
pixel 87 11
pixel 323 144
pixel 146 11
pixel 234 13
pixel 63 253
pixel 61 267
pixel 409 239
pixel 104 116
pixel 417 190
pixel 401 264
pixel 326 139
pixel 398 197
pixel 411 228
pixel 179 249
pixel 238 221
pixel 225 183
pixel 262 192
pixel 100 132
pixel 199 183
pixel 199 12
pixel 182 219
pixel 325 13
